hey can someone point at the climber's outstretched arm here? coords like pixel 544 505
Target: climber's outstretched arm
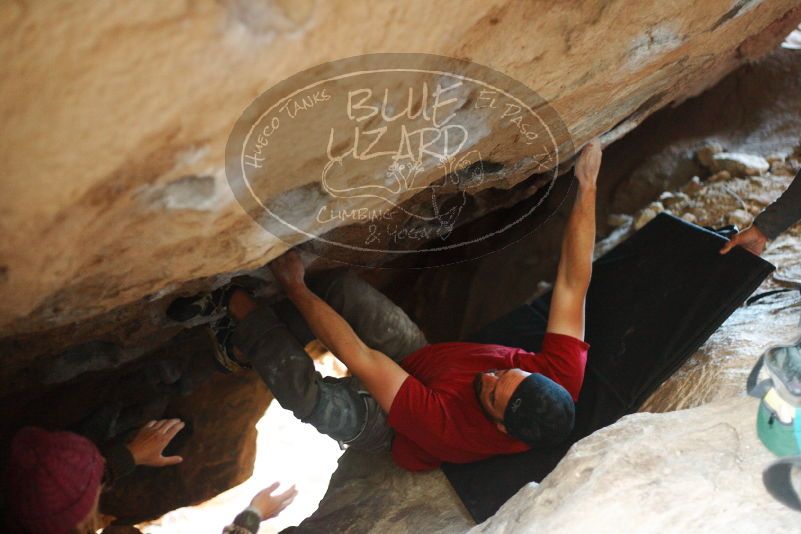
pixel 566 314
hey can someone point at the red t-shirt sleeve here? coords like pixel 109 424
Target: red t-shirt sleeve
pixel 562 359
pixel 415 411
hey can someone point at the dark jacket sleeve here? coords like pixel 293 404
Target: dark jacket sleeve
pixel 783 213
pixel 119 463
pixel 247 522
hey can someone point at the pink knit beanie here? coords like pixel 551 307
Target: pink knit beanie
pixel 52 480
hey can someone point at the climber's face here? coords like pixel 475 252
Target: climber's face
pixel 494 388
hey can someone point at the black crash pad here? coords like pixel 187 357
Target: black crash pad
pixel 653 301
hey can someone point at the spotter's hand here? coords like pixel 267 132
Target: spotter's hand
pixel 751 239
pixel 151 440
pixel 270 505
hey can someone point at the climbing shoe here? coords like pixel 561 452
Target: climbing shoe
pixel 211 305
pixel 212 309
pixel 221 332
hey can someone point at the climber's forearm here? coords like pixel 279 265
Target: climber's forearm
pixel 381 375
pixel 330 328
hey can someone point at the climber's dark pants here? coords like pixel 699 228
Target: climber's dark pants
pixel 340 408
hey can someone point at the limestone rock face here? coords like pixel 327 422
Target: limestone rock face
pixel 707 152
pixel 404 502
pixel 116 117
pixel 696 470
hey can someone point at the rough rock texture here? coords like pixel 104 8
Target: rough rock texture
pixel 116 117
pixel 740 164
pixel 696 470
pixel 406 502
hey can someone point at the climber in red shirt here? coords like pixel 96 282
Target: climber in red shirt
pixel 452 402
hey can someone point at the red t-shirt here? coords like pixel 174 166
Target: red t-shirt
pixel 436 415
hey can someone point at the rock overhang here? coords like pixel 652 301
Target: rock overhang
pixel 116 174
